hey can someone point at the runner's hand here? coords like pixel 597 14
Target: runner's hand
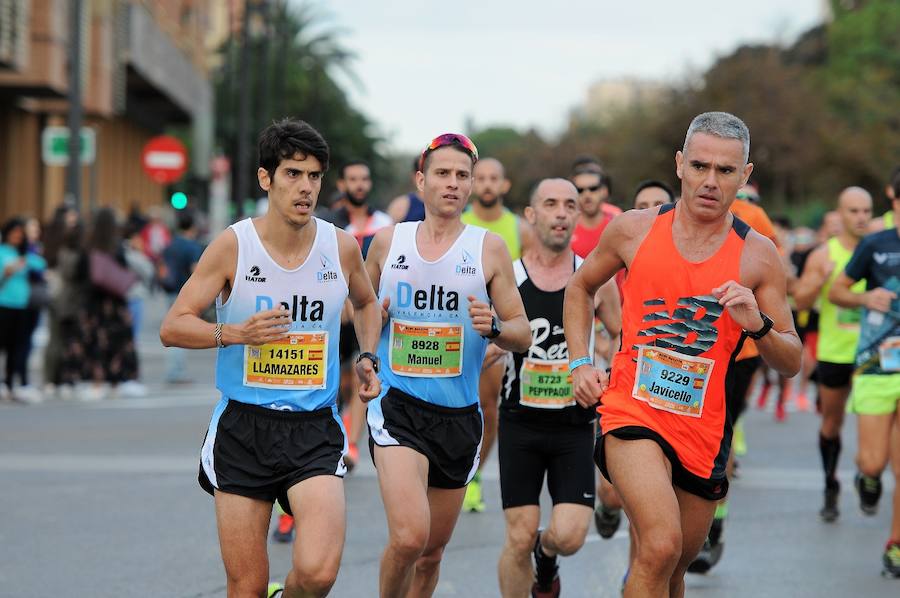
pixel 588 385
pixel 879 299
pixel 369 384
pixel 740 303
pixel 266 326
pixel 481 315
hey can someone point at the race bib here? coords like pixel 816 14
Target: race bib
pixel 671 381
pixel 545 384
pixel 889 354
pixel 298 362
pixel 426 350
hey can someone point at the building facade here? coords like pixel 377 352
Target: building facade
pixel 144 71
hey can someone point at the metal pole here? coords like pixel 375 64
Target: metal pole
pixel 242 158
pixel 73 170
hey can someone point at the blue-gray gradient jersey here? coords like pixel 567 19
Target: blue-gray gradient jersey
pixel 432 294
pixel 877 260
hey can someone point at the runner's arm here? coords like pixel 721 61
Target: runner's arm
pixel 609 311
pixel 515 330
pixel 183 327
pixel 858 268
pixel 366 313
pixel 378 250
pixel 815 273
pixel 598 268
pixel 843 296
pixel 780 347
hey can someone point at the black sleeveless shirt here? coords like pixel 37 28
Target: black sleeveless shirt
pixel 537 385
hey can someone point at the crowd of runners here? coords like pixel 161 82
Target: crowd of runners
pixel 578 337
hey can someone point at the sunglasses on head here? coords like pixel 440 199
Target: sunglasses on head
pixel 453 139
pixel 592 188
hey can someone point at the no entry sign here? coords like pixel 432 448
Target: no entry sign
pixel 164 159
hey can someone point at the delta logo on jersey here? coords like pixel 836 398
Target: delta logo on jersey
pixel 327 273
pixel 467 266
pixel 689 329
pixel 400 264
pixel 254 275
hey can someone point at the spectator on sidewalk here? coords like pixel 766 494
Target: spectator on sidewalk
pixel 16 264
pixel 102 353
pixel 140 264
pixel 67 288
pixel 179 260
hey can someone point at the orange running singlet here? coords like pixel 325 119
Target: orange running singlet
pixel 677 342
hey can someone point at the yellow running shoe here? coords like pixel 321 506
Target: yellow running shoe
pixel 473 501
pixel 740 441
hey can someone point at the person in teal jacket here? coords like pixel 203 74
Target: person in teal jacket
pixel 15 265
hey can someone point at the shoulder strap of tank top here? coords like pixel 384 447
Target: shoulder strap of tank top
pixel 740 227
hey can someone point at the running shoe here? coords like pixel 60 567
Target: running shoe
pixel 869 490
pixel 892 560
pixel 473 502
pixel 546 573
pixel 284 532
pixel 712 550
pixel 830 511
pixel 740 440
pixel 352 457
pixel 274 590
pixel 607 520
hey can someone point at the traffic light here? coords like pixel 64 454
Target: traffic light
pixel 179 200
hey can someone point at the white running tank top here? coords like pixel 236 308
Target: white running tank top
pixel 428 348
pixel 300 373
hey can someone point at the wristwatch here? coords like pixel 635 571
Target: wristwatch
pixel 766 327
pixel 371 357
pixel 495 328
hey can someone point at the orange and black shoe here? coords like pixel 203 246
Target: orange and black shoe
pixel 284 532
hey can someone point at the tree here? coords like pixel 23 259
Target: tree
pixel 294 61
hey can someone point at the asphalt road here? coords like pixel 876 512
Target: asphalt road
pixel 101 499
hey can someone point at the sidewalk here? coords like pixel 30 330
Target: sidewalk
pixel 200 365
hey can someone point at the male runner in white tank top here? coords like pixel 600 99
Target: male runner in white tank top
pixel 279 282
pixel 436 280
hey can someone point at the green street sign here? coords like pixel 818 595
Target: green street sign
pixel 55 146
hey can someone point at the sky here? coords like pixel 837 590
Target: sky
pixel 430 67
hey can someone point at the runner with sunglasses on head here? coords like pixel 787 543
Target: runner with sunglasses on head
pixel 436 280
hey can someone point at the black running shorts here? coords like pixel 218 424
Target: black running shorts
pixel 834 375
pixel 710 489
pixel 737 383
pixel 260 453
pixel 528 450
pixel 450 438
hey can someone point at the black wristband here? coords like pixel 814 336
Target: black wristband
pixel 766 327
pixel 371 357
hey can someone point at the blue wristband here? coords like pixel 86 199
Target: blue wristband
pixel 579 362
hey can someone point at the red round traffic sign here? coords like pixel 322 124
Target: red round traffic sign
pixel 164 159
